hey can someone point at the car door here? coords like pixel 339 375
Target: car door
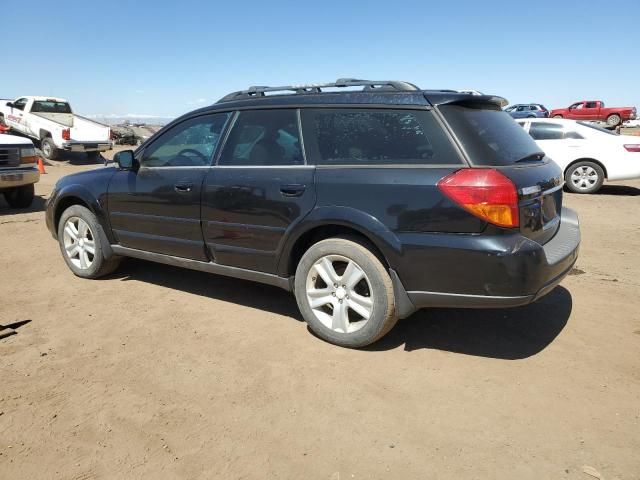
pixel 15 117
pixel 590 111
pixel 156 207
pixel 521 111
pixel 260 188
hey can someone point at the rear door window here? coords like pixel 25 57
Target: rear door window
pixel 490 137
pixel 376 137
pixel 263 138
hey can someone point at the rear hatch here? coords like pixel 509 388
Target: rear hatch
pixel 492 139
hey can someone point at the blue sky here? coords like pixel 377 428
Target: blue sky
pixel 166 58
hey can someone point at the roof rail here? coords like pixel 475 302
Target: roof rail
pixel 368 85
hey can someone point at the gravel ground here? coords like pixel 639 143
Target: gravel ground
pixel 157 372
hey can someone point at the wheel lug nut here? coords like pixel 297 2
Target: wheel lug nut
pixel 334 294
pixel 340 301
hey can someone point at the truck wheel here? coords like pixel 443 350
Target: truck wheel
pixel 613 120
pixel 557 116
pixel 584 177
pixel 345 293
pixel 20 197
pixel 49 149
pixel 81 243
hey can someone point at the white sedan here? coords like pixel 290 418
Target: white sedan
pixel 588 154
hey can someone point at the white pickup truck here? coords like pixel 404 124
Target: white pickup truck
pixel 18 171
pixel 51 121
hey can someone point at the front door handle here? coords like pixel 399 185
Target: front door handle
pixel 183 187
pixel 292 190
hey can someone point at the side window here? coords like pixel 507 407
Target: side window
pixel 188 144
pixel 546 131
pixel 20 103
pixel 591 105
pixel 522 108
pixel 263 138
pixel 376 137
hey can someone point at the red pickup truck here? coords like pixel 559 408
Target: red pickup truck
pixel 595 110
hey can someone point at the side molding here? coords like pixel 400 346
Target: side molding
pixel 209 267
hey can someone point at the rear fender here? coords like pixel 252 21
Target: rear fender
pixel 365 224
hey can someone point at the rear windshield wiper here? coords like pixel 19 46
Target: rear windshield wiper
pixel 532 157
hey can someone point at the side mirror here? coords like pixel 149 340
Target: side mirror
pixel 10 104
pixel 125 159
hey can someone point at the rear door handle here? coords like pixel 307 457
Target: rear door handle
pixel 183 187
pixel 292 190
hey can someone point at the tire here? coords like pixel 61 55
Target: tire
pixel 93 265
pixel 374 293
pixel 557 116
pixel 49 149
pixel 584 177
pixel 613 120
pixel 20 197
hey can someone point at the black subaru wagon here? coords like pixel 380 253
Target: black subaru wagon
pixel 367 199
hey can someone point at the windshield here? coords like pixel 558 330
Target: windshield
pixel 50 106
pixel 490 137
pixel 598 128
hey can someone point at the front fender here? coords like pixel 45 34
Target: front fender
pixel 367 225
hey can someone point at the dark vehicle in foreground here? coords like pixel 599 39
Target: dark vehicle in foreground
pixel 528 110
pixel 366 204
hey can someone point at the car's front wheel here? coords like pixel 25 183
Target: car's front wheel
pixel 584 177
pixel 345 293
pixel 81 243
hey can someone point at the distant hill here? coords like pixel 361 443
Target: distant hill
pixel 115 119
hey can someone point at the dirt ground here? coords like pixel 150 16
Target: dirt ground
pixel 157 372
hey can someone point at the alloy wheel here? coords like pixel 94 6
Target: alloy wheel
pixel 584 177
pixel 339 293
pixel 79 243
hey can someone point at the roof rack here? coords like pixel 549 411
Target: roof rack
pixel 368 85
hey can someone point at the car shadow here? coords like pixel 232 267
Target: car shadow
pixel 78 158
pixel 37 206
pixel 621 190
pixel 508 334
pixel 219 287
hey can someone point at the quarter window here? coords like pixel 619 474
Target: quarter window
pixel 376 137
pixel 264 138
pixel 188 144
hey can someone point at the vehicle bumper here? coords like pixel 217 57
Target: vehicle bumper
pixel 18 177
pixel 87 146
pixel 478 271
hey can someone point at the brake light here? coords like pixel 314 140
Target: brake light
pixel 66 134
pixel 486 193
pixel 632 147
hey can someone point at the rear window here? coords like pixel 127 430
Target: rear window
pixel 51 107
pixel 490 137
pixel 376 137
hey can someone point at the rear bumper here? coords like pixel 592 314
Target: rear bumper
pixel 489 272
pixel 87 146
pixel 18 177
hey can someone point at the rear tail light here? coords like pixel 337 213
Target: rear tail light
pixel 486 193
pixel 66 134
pixel 632 147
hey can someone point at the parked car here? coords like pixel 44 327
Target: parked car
pixel 366 204
pixel 587 154
pixel 18 170
pixel 596 111
pixel 52 122
pixel 527 110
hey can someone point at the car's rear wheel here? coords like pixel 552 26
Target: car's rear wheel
pixel 20 197
pixel 345 293
pixel 81 243
pixel 49 149
pixel 613 120
pixel 584 177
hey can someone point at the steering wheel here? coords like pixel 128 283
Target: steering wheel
pixel 183 153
